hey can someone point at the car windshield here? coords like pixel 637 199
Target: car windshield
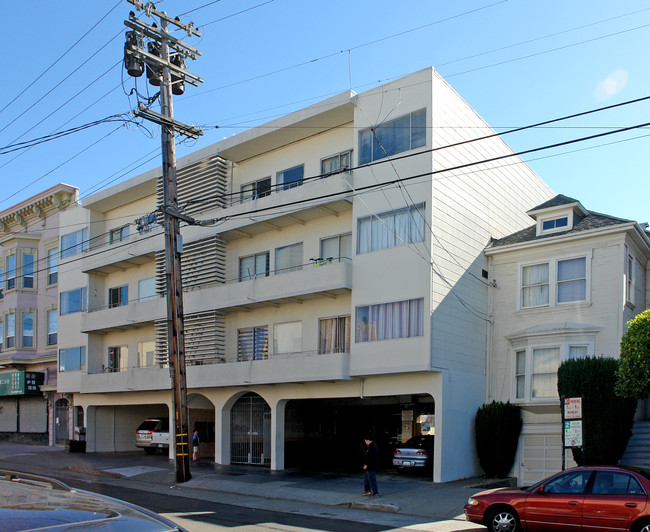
pixel 150 424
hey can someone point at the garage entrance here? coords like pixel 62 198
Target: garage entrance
pixel 250 421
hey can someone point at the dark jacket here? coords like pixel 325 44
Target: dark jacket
pixel 371 457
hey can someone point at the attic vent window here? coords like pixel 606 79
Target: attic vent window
pixel 555 223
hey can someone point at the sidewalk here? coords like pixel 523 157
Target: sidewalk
pixel 412 497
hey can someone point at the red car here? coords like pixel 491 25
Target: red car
pixel 582 499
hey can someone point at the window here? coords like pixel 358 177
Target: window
pixel 74 243
pixel 288 258
pixel 336 248
pixel 118 297
pixel 570 483
pixel 544 372
pixel 391 229
pixel 2 283
pixel 147 289
pixel 557 224
pixel 2 334
pixel 554 283
pixel 118 358
pixel 28 270
pixel 252 343
pixel 616 483
pixel 287 337
pixel 335 163
pixel 520 374
pixel 73 301
pixel 578 351
pixel 256 189
pixel 396 136
pixel 254 266
pixel 52 266
pixel 402 319
pixel 292 177
pixel 334 335
pixel 72 359
pixel 11 272
pixel 119 234
pixel 52 327
pixel 27 328
pixel 146 354
pixel 629 280
pixel 10 338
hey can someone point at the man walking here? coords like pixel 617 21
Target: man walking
pixel 370 466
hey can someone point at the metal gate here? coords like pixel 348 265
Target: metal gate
pixel 250 422
pixel 61 421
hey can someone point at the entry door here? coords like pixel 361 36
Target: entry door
pixel 61 421
pixel 250 428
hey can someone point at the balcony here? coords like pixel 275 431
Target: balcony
pixel 136 379
pixel 134 314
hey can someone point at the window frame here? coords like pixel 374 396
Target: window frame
pixel 119 234
pixel 11 272
pixel 2 281
pixel 630 278
pixel 2 332
pixel 553 283
pixel 122 298
pixel 80 358
pixel 83 303
pixel 416 215
pixel 293 268
pixel 24 315
pixel 339 257
pixel 25 268
pixel 254 192
pixel 362 336
pixel 122 354
pixel 52 269
pixel 148 281
pixel 142 353
pixel 10 319
pixel 339 166
pixel 49 341
pixel 261 350
pixel 255 274
pixel 278 327
pixel 77 248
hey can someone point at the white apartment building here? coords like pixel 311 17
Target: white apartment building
pixel 30 408
pixel 340 288
pixel 565 287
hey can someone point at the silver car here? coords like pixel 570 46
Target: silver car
pixel 32 502
pixel 415 453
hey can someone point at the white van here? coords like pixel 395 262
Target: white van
pixel 153 434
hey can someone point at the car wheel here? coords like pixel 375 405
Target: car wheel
pixel 503 520
pixel 642 527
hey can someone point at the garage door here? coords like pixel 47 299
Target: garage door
pixel 541 456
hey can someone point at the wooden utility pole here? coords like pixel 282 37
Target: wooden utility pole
pixel 173 241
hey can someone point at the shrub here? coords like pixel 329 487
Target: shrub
pixel 607 419
pixel 497 428
pixel 633 375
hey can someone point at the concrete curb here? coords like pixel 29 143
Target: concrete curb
pixel 376 507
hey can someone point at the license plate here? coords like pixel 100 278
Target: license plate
pixel 407 463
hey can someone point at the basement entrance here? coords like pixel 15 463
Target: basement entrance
pixel 250 421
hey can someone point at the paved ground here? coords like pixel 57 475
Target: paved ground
pixel 406 502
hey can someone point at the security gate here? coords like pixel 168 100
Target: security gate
pixel 250 422
pixel 61 421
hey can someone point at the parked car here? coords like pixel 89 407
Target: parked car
pixel 597 499
pixel 415 453
pixel 153 434
pixel 31 502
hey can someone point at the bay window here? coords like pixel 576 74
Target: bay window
pixel 11 272
pixel 28 270
pixel 10 332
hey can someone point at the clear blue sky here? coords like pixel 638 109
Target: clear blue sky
pixel 517 62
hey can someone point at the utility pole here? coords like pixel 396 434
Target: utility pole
pixel 168 73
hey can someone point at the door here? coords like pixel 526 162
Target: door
pixel 250 431
pixel 61 408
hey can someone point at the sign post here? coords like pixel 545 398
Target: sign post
pixel 571 426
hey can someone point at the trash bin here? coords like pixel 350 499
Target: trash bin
pixel 75 446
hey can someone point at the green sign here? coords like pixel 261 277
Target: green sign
pixel 20 383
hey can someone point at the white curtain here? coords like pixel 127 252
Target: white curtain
pixel 401 319
pixel 288 258
pixel 571 280
pixel 545 364
pixel 534 283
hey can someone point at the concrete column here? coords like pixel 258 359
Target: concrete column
pixel 222 433
pixel 277 434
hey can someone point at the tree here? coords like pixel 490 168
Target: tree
pixel 633 375
pixel 497 428
pixel 607 418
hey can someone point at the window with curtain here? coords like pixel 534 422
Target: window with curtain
pixel 545 362
pixel 390 229
pixel 287 337
pixel 336 248
pixel 52 266
pixel 335 163
pixel 52 326
pixel 401 319
pixel 395 136
pixel 288 258
pixel 578 351
pixel 291 177
pixel 254 266
pixel 571 280
pixel 334 335
pixel 27 327
pixel 252 343
pixel 74 243
pixel 534 285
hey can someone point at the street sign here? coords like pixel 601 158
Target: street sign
pixel 572 408
pixel 573 433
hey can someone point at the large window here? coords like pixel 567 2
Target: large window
pixel 336 248
pixel 395 136
pixel 252 343
pixel 118 297
pixel 554 283
pixel 52 326
pixel 335 163
pixel 401 319
pixel 147 289
pixel 291 177
pixel 146 354
pixel 27 326
pixel 288 258
pixel 287 337
pixel 74 243
pixel 334 335
pixel 72 359
pixel 52 266
pixel 256 189
pixel 254 266
pixel 391 229
pixel 73 301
